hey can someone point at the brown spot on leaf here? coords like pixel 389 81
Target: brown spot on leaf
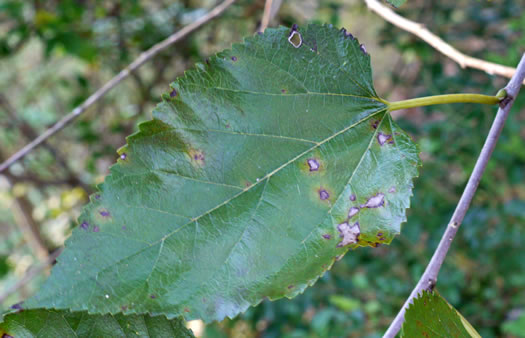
pixel 186 309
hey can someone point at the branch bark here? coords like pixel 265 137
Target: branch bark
pixel 437 43
pixel 271 7
pixel 143 58
pixel 429 277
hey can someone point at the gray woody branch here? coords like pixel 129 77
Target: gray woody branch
pixel 429 277
pixel 143 58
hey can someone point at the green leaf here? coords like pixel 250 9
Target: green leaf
pixel 396 3
pixel 260 169
pixel 51 323
pixel 432 316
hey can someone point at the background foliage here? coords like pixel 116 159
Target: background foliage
pixel 53 54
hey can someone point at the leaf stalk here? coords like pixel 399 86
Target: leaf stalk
pixel 441 99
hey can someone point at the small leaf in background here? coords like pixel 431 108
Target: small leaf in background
pixel 260 169
pixel 515 326
pixel 51 323
pixel 432 316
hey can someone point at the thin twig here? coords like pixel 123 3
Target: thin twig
pixel 29 275
pixel 429 277
pixel 143 58
pixel 436 42
pixel 266 15
pixel 271 7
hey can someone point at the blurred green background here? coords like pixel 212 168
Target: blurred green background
pixel 54 54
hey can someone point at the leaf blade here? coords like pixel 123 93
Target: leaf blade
pixel 224 199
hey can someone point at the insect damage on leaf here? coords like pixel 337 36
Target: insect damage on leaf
pixel 267 155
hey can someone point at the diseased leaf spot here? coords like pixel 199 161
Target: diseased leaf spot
pixel 5 335
pixel 97 197
pixel 323 194
pixel 152 296
pixel 295 37
pixel 123 156
pixel 353 211
pixel 352 197
pixel 392 190
pixel 313 164
pixel 327 236
pixel 197 157
pixel 362 48
pixel 375 123
pixel 234 58
pixel 379 234
pixel 84 225
pixel 375 201
pixel 124 307
pixel 290 286
pixel 173 93
pixel 347 34
pixel 348 233
pixel 283 91
pixel 104 213
pixel 382 138
pixel 17 306
pixel 96 228
pixel 186 309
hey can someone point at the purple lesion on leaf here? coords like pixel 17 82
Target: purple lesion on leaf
pixel 6 335
pixel 17 306
pixel 104 213
pixel 327 236
pixel 290 286
pixel 283 91
pixel 348 233
pixel 346 34
pixel 124 307
pixel 173 92
pixel 313 164
pixel 383 138
pixel 392 189
pixel 362 48
pixel 84 225
pixel 352 197
pixel 294 37
pixel 234 58
pixel 197 157
pixel 323 194
pixel 152 296
pixel 123 156
pixel 375 201
pixel 353 211
pixel 97 196
pixel 375 124
pixel 96 228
